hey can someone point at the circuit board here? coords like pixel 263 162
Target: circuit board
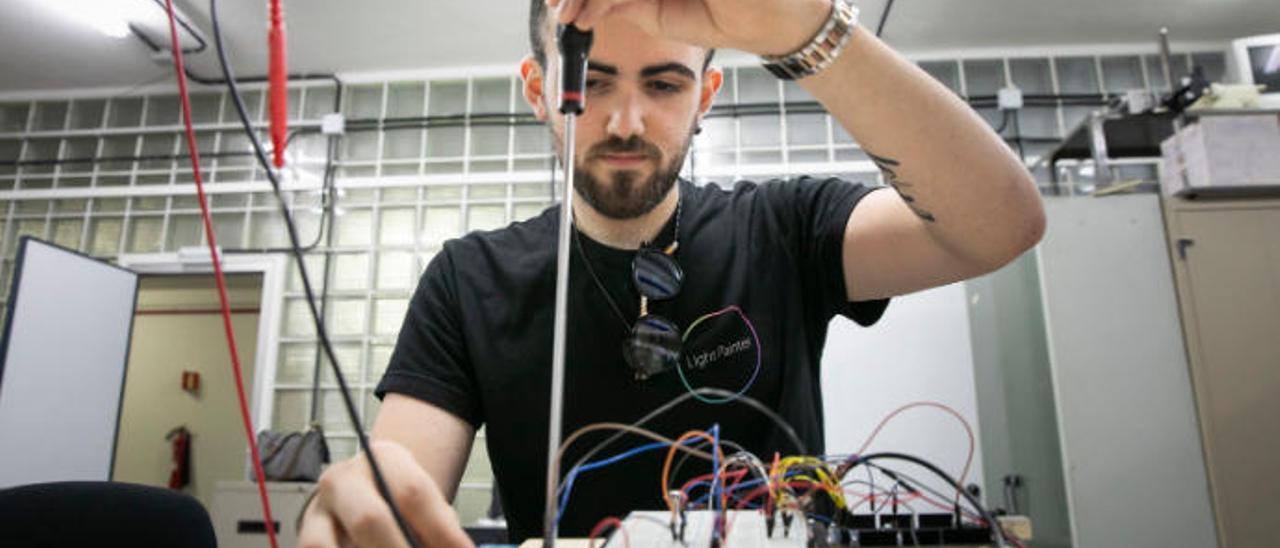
pixel 749 529
pixel 743 529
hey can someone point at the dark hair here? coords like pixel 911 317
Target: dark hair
pixel 537 16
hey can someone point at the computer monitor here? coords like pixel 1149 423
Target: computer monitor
pixel 63 356
pixel 1256 60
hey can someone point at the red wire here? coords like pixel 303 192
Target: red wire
pixel 218 276
pixel 964 474
pixel 708 477
pixel 599 528
pixel 277 86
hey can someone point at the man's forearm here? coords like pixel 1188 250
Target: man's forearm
pixel 970 191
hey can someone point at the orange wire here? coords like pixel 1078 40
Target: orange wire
pixel 671 453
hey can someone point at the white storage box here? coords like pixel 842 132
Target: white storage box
pixel 237 513
pixel 1222 152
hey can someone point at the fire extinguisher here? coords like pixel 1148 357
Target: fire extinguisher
pixel 180 441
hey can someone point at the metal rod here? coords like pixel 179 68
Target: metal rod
pixel 1164 60
pixel 574 45
pixel 560 333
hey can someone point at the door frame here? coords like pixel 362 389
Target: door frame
pixel 273 269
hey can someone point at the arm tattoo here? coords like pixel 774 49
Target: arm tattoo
pixel 888 166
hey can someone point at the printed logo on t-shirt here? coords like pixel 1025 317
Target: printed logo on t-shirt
pixel 721 350
pixel 706 358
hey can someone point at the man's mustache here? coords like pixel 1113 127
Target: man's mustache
pixel 630 145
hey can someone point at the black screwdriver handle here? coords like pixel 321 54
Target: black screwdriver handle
pixel 575 45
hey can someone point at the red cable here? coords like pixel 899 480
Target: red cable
pixel 277 85
pixel 708 477
pixel 218 276
pixel 964 473
pixel 599 528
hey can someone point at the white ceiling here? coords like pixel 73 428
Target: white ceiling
pixel 39 50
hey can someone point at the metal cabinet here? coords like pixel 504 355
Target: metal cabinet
pixel 1226 260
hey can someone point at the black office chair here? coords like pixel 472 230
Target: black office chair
pixel 83 513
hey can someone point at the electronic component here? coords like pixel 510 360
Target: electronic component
pixel 748 529
pixel 745 529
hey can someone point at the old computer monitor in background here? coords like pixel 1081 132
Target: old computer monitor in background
pixel 1256 60
pixel 62 365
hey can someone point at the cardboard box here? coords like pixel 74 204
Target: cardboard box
pixel 1223 151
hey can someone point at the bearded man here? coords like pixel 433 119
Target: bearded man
pixel 673 285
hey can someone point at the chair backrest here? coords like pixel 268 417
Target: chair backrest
pixel 102 514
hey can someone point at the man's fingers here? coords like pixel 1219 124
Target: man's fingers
pixel 593 12
pixel 348 508
pixel 361 513
pixel 425 508
pixel 568 11
pixel 418 497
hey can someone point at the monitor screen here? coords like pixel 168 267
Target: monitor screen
pixel 62 365
pixel 1264 63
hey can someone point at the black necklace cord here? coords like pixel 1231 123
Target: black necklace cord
pixel 591 271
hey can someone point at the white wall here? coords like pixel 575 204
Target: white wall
pixel 919 350
pixel 165 345
pixel 1131 448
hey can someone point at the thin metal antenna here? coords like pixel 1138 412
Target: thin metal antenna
pixel 574 47
pixel 1164 61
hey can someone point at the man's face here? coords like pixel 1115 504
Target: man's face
pixel 645 97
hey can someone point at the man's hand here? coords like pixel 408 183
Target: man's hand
pixel 763 27
pixel 347 509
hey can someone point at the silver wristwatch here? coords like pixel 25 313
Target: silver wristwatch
pixel 822 50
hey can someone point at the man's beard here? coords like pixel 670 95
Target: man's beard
pixel 625 196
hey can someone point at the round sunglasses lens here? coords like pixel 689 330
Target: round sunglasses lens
pixel 656 274
pixel 654 346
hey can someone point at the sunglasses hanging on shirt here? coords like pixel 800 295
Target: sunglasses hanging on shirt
pixel 654 344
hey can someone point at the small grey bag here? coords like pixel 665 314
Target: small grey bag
pixel 293 456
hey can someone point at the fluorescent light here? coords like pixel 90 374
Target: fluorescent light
pixel 110 17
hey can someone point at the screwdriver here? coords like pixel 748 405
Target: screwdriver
pixel 574 45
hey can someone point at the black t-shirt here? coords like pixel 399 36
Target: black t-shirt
pixel 477 339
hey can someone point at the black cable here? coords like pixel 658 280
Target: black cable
pixel 903 478
pixel 1004 122
pixel 1017 136
pixel 139 157
pixel 332 199
pixel 884 18
pixel 181 22
pixel 328 209
pixel 997 531
pixel 131 158
pixel 871 480
pixel 208 81
pixel 321 332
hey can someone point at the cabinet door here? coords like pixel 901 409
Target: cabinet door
pixel 1227 260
